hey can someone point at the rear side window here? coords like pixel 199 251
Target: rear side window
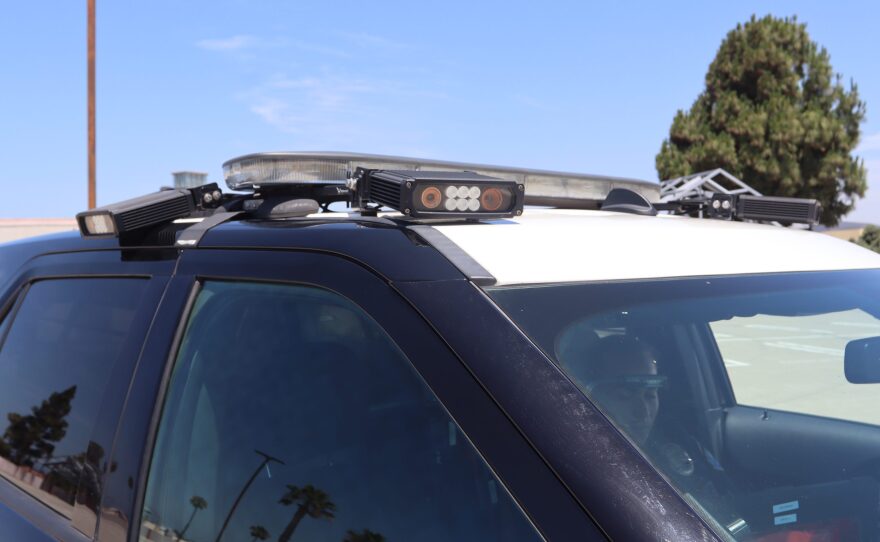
pixel 292 416
pixel 60 349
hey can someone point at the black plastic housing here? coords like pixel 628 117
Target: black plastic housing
pixel 141 212
pixel 398 189
pixel 153 209
pixel 787 210
pixel 764 208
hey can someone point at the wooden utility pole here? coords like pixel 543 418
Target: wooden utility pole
pixel 91 61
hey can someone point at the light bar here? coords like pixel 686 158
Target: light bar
pixel 542 187
pixel 440 194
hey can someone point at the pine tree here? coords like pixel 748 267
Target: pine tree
pixel 775 115
pixel 32 438
pixel 870 238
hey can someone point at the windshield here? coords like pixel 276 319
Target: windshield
pixel 755 396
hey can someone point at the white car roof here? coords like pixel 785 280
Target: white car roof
pixel 551 246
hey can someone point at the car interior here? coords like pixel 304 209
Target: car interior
pixel 754 471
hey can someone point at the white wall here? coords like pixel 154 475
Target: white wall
pixel 19 228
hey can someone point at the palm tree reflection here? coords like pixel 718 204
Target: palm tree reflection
pixel 311 502
pixel 259 533
pixel 198 503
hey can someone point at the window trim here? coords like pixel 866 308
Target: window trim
pixel 10 311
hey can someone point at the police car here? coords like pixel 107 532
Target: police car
pixel 445 363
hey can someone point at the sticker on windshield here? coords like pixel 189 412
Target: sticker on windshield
pixel 785 507
pixel 782 520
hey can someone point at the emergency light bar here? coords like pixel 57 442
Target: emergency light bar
pixel 554 188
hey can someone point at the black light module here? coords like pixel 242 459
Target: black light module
pixel 440 194
pixel 764 208
pixel 150 210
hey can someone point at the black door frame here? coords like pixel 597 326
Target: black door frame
pixel 535 487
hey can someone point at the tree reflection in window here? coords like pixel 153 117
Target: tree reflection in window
pixel 31 438
pixel 310 501
pixel 258 532
pixel 65 364
pixel 27 450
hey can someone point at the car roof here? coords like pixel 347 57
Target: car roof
pixel 542 246
pixel 387 248
pixel 553 245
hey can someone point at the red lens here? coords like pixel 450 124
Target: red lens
pixel 491 199
pixel 431 197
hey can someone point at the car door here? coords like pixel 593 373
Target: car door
pixel 71 333
pixel 302 393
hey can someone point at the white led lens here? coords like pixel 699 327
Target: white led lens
pixel 461 204
pixel 463 191
pixel 473 205
pixel 451 204
pixel 100 224
pixel 474 193
pixel 451 191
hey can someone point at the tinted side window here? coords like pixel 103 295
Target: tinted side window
pixel 61 347
pixel 291 415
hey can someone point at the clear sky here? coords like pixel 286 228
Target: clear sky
pixel 580 86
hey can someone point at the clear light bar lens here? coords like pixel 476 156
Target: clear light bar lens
pixel 100 224
pixel 264 169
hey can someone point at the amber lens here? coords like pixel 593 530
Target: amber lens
pixel 491 199
pixel 431 197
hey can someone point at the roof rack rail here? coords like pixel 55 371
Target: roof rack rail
pixel 721 206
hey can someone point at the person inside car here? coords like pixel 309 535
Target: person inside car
pixel 620 374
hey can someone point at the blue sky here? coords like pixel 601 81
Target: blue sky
pixel 588 87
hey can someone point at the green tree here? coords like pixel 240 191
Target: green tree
pixel 870 238
pixel 32 438
pixel 775 115
pixel 364 536
pixel 198 503
pixel 258 532
pixel 311 502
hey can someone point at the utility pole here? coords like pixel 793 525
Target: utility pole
pixel 91 83
pixel 266 460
